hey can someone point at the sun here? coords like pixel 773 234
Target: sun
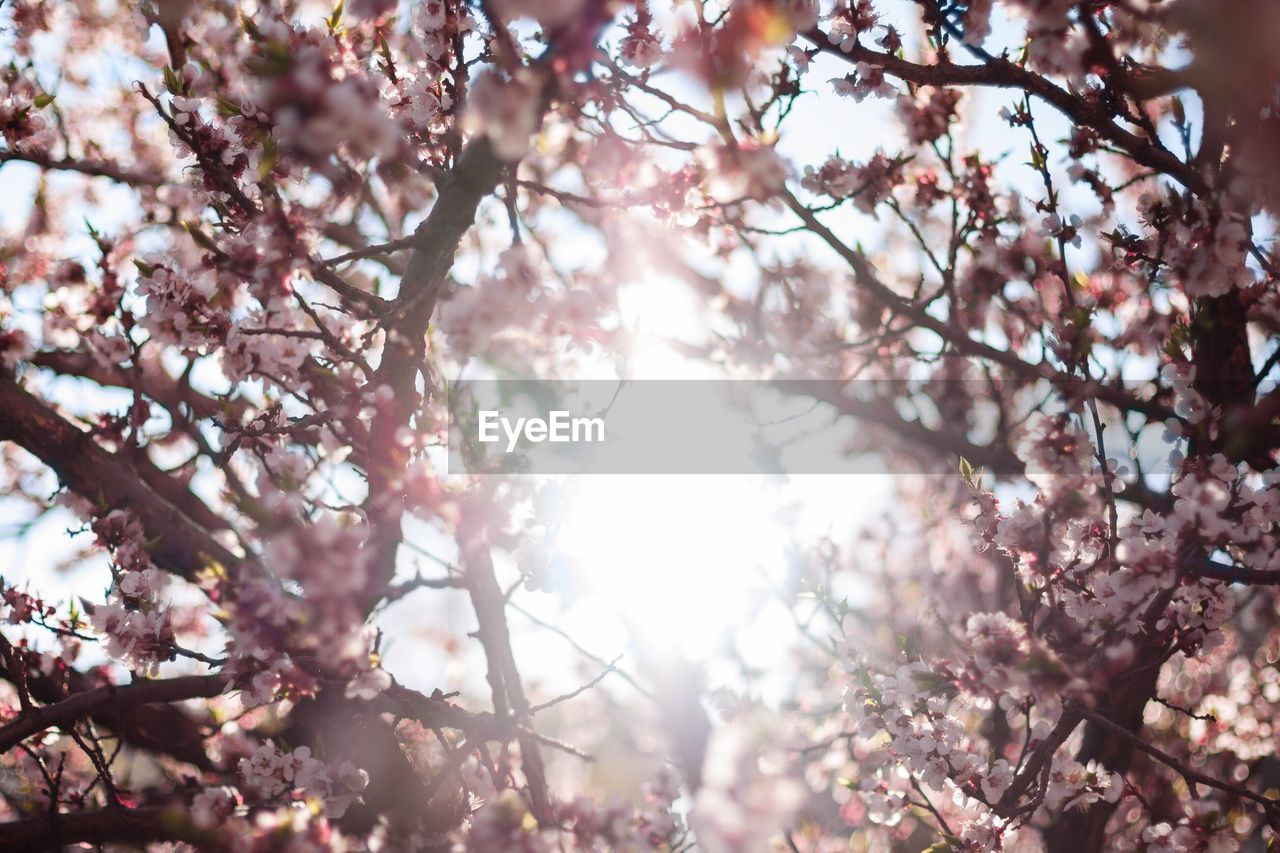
pixel 677 558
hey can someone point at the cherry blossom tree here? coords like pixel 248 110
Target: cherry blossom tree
pixel 244 244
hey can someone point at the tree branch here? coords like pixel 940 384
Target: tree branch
pixel 108 826
pixel 1190 774
pixel 1235 574
pixel 1001 73
pixel 86 166
pixel 119 697
pixel 106 479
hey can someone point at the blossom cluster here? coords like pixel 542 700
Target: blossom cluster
pixel 270 773
pixel 239 267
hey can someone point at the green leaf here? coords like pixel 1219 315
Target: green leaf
pixel 250 28
pixel 201 238
pixel 43 100
pixel 172 81
pixel 334 19
pixel 270 156
pixel 932 681
pixel 1037 158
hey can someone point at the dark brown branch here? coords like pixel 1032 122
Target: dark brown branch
pixel 1001 73
pixel 868 278
pixel 997 458
pixel 85 166
pixel 573 694
pixel 162 729
pixel 108 826
pixel 352 237
pixel 339 285
pixel 149 377
pixel 373 251
pixel 436 241
pixel 1235 574
pixel 1190 774
pixel 182 546
pixel 504 677
pixel 435 712
pixel 1039 759
pixel 1145 82
pixel 395 593
pixel 119 697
